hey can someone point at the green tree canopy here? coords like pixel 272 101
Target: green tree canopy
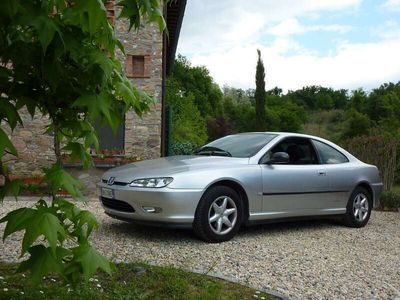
pixel 197 81
pixel 57 59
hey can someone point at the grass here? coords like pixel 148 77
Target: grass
pixel 396 188
pixel 127 283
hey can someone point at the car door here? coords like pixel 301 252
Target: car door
pixel 298 187
pixel 340 174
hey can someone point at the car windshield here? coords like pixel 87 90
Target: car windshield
pixel 238 145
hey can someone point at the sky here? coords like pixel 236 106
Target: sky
pixel 346 44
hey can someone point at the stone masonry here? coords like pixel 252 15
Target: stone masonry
pixel 143 135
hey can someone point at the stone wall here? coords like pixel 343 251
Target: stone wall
pixel 35 147
pixel 142 135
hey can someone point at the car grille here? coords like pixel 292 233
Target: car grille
pixel 117 205
pixel 116 182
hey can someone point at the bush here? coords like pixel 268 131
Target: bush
pixel 184 148
pixel 379 151
pixel 390 200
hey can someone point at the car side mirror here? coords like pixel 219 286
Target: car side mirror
pixel 278 158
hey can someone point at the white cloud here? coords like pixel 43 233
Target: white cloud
pixel 389 30
pixel 292 26
pixel 214 25
pixel 353 65
pixel 223 35
pixel 393 5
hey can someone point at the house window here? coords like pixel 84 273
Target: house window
pixel 137 66
pixel 109 140
pixel 110 7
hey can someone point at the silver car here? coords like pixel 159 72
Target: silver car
pixel 244 179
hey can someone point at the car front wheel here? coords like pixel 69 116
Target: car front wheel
pixel 219 215
pixel 359 208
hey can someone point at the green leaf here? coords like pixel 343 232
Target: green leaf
pixel 13 187
pixel 44 223
pixel 7 110
pixel 89 14
pixel 46 28
pixel 134 10
pixel 60 179
pixel 105 63
pixel 90 260
pixel 5 144
pixel 86 217
pixel 42 261
pixel 67 208
pixel 91 140
pixel 9 7
pixel 79 152
pixel 96 106
pixel 17 220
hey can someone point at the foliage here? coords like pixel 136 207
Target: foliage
pixel 239 113
pixel 338 115
pixel 218 127
pixel 183 148
pixel 355 124
pixel 187 123
pixel 325 123
pixel 57 59
pixel 281 113
pixel 259 94
pixel 389 200
pixel 318 98
pixel 198 82
pixel 379 151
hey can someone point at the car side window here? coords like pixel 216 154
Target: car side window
pixel 328 154
pixel 300 150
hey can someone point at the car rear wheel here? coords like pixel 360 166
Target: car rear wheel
pixel 359 208
pixel 219 215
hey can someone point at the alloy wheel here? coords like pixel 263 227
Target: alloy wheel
pixel 360 207
pixel 222 215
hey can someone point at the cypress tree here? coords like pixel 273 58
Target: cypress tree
pixel 260 94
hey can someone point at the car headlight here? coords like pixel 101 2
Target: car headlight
pixel 151 182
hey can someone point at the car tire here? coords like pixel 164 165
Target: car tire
pixel 359 208
pixel 219 207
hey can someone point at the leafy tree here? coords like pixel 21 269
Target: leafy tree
pixel 57 59
pixel 319 98
pixel 218 127
pixel 197 81
pixel 356 124
pixel 188 126
pixel 259 94
pixel 240 113
pixel 358 100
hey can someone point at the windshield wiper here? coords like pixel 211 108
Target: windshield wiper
pixel 211 151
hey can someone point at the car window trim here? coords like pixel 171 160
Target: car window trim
pixel 295 137
pixel 320 159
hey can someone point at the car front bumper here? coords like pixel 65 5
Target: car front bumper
pixel 172 206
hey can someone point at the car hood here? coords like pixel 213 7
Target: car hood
pixel 168 166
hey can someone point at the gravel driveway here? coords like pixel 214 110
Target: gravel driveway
pixel 313 259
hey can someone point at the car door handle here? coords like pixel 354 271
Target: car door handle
pixel 321 173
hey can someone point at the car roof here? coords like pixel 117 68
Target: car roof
pixel 281 133
pixel 293 134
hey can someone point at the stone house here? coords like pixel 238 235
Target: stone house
pixel 148 59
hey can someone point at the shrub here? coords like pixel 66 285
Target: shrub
pixel 218 127
pixel 379 151
pixel 390 200
pixel 183 148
